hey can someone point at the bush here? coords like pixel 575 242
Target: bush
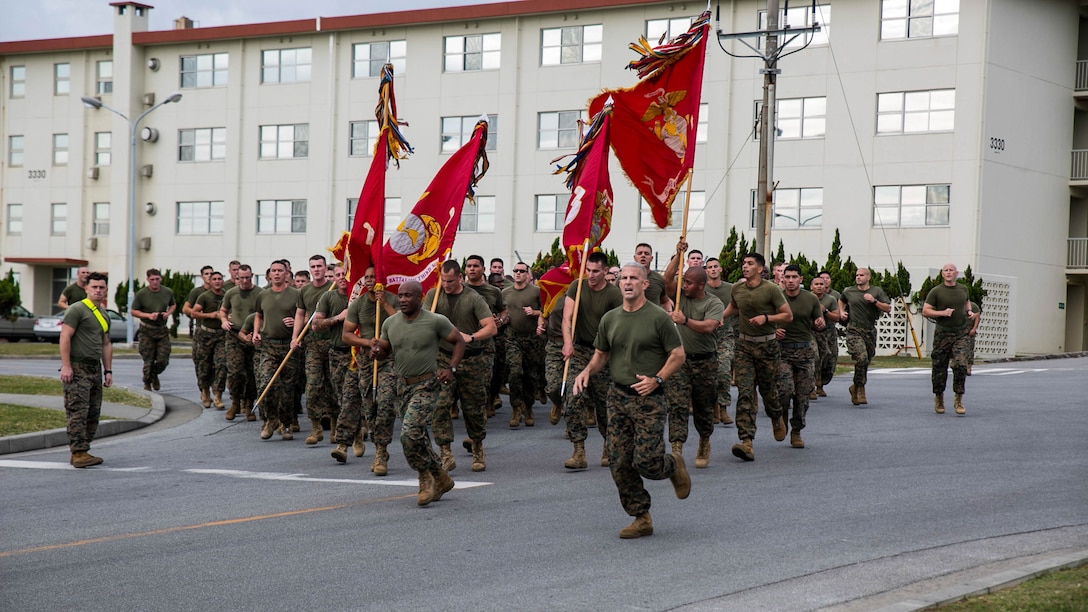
pixel 9 296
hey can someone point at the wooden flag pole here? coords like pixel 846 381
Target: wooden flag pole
pixel 574 315
pixel 438 285
pixel 683 235
pixel 377 332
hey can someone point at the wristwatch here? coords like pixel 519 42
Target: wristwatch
pixel 453 369
pixel 659 380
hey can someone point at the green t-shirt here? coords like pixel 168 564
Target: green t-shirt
pixel 806 309
pixel 955 297
pixel 492 295
pixel 723 292
pixel 861 314
pixel 363 310
pixel 829 302
pixel 228 285
pixel 764 299
pixel 415 342
pixel 465 310
pixel 210 302
pixel 273 308
pixel 87 339
pixel 195 293
pixel 74 293
pixel 516 301
pixel 656 288
pixel 247 324
pixel 591 307
pixel 308 297
pixel 147 300
pixel 555 319
pixel 703 309
pixel 240 304
pixel 637 342
pixel 331 304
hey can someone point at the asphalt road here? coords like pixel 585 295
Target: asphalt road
pixel 198 513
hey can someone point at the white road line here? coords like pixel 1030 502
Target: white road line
pixel 53 465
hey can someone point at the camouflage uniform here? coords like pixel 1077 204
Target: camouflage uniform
pixel 210 355
pixel 861 344
pixel 595 395
pixel 278 402
pixel 380 412
pixel 553 354
pixel 525 359
pixel 827 344
pixel 241 368
pixel 320 391
pixel 796 379
pixel 689 392
pixel 345 382
pixel 83 403
pixel 417 402
pixel 471 384
pixel 755 363
pixel 950 344
pixel 636 445
pixel 861 328
pixel 725 339
pixel 154 348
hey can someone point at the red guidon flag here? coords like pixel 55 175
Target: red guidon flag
pixel 553 286
pixel 414 250
pixel 654 122
pixel 589 211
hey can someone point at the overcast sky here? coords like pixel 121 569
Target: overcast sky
pixel 33 19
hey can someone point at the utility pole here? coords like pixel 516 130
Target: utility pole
pixel 770 55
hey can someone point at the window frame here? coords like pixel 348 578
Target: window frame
pixel 926 207
pixel 103 155
pixel 489 58
pixel 279 143
pixel 13 220
pixel 62 84
pixel 17 82
pixel 803 119
pixel 281 67
pixel 464 136
pixel 776 214
pixel 213 221
pixel 391 211
pixel 906 108
pixel 368 141
pixel 474 213
pixel 572 131
pixel 103 82
pixel 400 62
pixel 211 145
pixel 16 150
pixel 558 215
pixel 58 224
pixel 100 224
pixel 216 71
pixel 819 39
pixel 682 23
pixel 696 213
pixel 564 49
pixel 296 221
pixel 906 20
pixel 60 151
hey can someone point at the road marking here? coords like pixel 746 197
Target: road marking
pixel 977 372
pixel 53 465
pixel 304 478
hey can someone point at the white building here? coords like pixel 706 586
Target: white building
pixel 937 136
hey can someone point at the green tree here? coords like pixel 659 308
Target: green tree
pixel 120 296
pixel 9 296
pixel 974 287
pixel 181 283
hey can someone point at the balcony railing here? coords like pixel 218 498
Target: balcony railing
pixel 1077 256
pixel 1079 171
pixel 1082 76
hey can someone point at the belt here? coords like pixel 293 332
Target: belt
pixel 702 356
pixel 629 391
pixel 585 344
pixel 341 349
pixel 88 362
pixel 766 338
pixel 794 345
pixel 275 341
pixel 950 329
pixel 412 380
pixel 468 352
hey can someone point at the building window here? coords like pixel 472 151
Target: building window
pixel 62 74
pixel 101 223
pixel 208 70
pixel 58 219
pixel 910 205
pixel 695 212
pixel 15 219
pixel 478 52
pixel 704 123
pixel 18 81
pixel 199 218
pixel 800 17
pixel 795 208
pixel 392 214
pixel 666 29
pixel 478 218
pixel 456 131
pixel 559 130
pixel 364 134
pixel 551 211
pixel 202 144
pixel 368 59
pixel 916 19
pixel 104 83
pixel 913 112
pixel 797 118
pixel 15 150
pixel 285 65
pixel 281 217
pixel 60 149
pixel 285 141
pixel 572 45
pixel 103 142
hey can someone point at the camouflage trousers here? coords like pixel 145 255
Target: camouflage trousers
pixel 553 369
pixel 241 369
pixel 362 408
pixel 154 349
pixel 470 385
pixel 861 344
pixel 83 404
pixel 827 354
pixel 971 349
pixel 756 365
pixel 636 445
pixel 593 397
pixel 726 343
pixel 299 386
pixel 500 371
pixel 210 357
pixel 691 392
pixel 320 391
pixel 950 346
pixel 525 364
pixel 417 403
pixel 796 367
pixel 278 402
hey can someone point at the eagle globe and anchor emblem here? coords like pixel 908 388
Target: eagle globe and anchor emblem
pixel 417 238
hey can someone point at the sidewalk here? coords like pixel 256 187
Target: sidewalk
pixel 116 419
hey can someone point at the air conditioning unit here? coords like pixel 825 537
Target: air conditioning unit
pixel 146 171
pixel 149 134
pixel 149 99
pixel 145 243
pixel 92 243
pixel 92 173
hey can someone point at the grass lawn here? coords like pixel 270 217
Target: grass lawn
pixel 1061 591
pixel 35 385
pixel 24 419
pixel 48 349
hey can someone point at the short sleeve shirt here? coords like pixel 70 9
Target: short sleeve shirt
pixel 955 297
pixel 723 292
pixel 240 304
pixel 331 304
pixel 415 342
pixel 209 301
pixel 763 299
pixel 637 342
pixel 147 300
pixel 591 307
pixel 706 308
pixel 87 339
pixel 274 307
pixel 465 310
pixel 308 298
pixel 494 297
pixel 656 288
pixel 194 294
pixel 862 314
pixel 362 311
pixel 806 309
pixel 516 301
pixel 74 293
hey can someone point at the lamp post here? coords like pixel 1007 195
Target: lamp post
pixel 133 125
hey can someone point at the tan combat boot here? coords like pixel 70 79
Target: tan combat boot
pixel 217 400
pixel 446 457
pixel 247 409
pixel 957 404
pixel 233 410
pixel 778 425
pixel 938 403
pixel 358 446
pixel 426 489
pixel 340 453
pixel 332 432
pixel 527 414
pixel 812 395
pixel 725 416
pixel 577 461
pixel 702 456
pixel 270 426
pixel 286 433
pixel 643 525
pixel 591 416
pixel 479 462
pixel 717 416
pixel 515 415
pixel 854 395
pixel 795 439
pixel 681 482
pixel 555 414
pixel 205 398
pixel 82 459
pixel 315 432
pixel 744 450
pixel 820 391
pixel 605 462
pixel 380 466
pixel 861 395
pixel 442 484
pixel 678 448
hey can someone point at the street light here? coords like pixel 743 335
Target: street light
pixel 134 125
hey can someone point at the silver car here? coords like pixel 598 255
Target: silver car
pixel 22 328
pixel 48 328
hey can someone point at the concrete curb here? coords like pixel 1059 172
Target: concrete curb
pixel 59 437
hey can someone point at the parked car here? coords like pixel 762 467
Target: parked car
pixel 48 328
pixel 22 328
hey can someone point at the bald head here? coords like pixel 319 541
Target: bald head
pixel 411 288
